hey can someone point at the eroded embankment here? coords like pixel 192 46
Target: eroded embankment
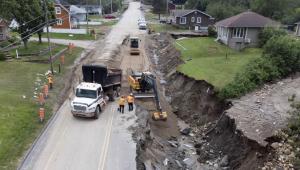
pixel 211 137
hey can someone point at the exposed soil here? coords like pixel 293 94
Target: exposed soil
pixel 212 141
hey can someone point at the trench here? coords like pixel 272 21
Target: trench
pixel 212 141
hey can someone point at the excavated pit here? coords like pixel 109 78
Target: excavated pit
pixel 212 141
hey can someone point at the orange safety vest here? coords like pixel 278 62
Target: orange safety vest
pixel 130 99
pixel 122 101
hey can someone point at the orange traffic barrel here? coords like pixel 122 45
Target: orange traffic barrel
pixel 42 114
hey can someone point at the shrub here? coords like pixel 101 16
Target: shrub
pixel 281 57
pixel 256 73
pixel 285 53
pixel 268 33
pixel 212 31
pixel 13 39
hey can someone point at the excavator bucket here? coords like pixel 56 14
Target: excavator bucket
pixel 160 116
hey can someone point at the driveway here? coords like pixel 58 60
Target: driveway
pixel 71 143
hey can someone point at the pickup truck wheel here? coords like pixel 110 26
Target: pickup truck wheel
pixel 97 112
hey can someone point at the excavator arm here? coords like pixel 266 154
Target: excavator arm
pixel 151 80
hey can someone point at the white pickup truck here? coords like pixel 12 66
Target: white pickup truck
pixel 99 82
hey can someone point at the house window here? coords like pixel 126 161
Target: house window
pixel 59 21
pixel 193 19
pixel 198 19
pixel 239 32
pixel 182 20
pixel 57 10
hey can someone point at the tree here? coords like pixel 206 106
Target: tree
pixel 223 10
pixel 28 13
pixel 274 8
pixel 159 6
pixel 40 22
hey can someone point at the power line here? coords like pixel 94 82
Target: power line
pixel 31 33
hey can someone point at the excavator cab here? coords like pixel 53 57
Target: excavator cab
pixel 134 45
pixel 144 82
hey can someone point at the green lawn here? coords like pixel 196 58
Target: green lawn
pixel 109 22
pixel 19 124
pixel 69 36
pixel 207 60
pixel 164 28
pixel 35 47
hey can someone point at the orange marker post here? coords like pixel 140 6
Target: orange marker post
pixel 46 90
pixel 41 99
pixel 62 59
pixel 42 114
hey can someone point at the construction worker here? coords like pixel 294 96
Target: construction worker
pixel 50 81
pixel 122 101
pixel 130 100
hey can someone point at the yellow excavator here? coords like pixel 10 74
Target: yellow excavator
pixel 142 84
pixel 134 46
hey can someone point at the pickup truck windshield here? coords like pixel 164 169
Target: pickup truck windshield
pixel 86 93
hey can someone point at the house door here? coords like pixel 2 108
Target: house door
pixel 196 28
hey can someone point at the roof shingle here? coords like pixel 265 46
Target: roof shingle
pixel 247 19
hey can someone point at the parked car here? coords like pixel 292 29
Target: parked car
pixel 143 25
pixel 141 20
pixel 109 17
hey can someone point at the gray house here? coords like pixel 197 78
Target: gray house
pixel 92 9
pixel 3 30
pixel 191 19
pixel 242 30
pixel 77 14
pixel 298 28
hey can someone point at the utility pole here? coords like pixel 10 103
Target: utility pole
pixel 48 36
pixel 87 17
pixel 100 6
pixel 111 6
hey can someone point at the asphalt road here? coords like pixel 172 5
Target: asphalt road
pixel 71 143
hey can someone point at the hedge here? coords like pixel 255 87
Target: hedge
pixel 281 57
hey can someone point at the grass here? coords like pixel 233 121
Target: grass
pixel 19 124
pixel 109 22
pixel 95 17
pixel 207 60
pixel 68 37
pixel 164 28
pixel 35 47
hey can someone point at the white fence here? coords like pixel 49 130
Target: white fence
pixel 68 31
